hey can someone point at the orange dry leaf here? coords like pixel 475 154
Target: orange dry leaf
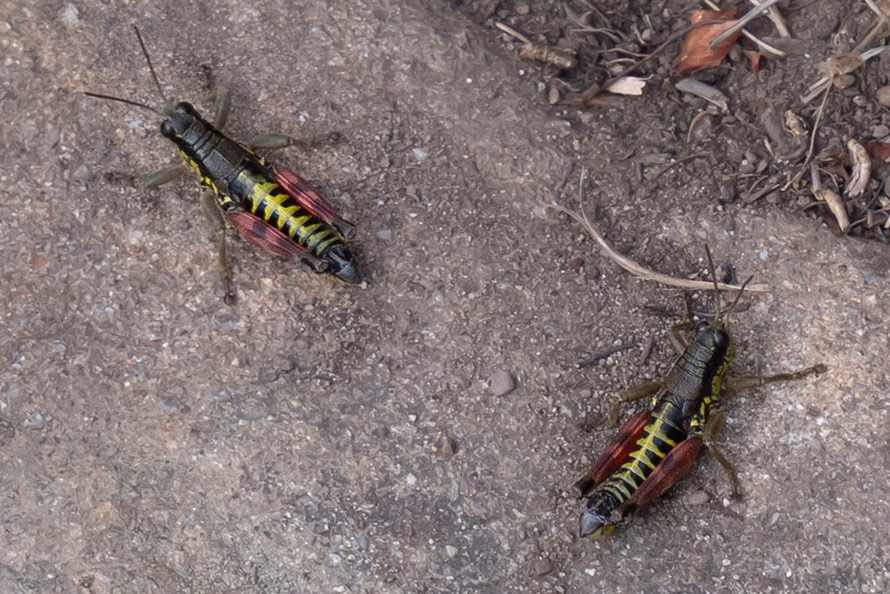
pixel 836 169
pixel 695 54
pixel 878 150
pixel 754 57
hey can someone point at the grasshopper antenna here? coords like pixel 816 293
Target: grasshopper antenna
pixel 737 297
pixel 122 100
pixel 713 272
pixel 150 67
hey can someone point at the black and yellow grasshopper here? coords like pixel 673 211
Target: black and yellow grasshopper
pixel 270 206
pixel 657 446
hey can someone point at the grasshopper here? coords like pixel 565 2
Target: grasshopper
pixel 657 446
pixel 269 205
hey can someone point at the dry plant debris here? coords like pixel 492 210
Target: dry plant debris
pixel 559 57
pixel 636 269
pixel 697 53
pixel 878 150
pixel 861 169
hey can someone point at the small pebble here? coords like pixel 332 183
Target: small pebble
pixel 34 421
pixel 384 234
pixel 70 14
pixel 82 173
pixel 883 96
pixel 542 567
pixel 411 480
pixel 501 383
pixel 880 131
pixel 450 551
pixel 697 497
pixel 267 375
pixel 845 81
pixel 553 96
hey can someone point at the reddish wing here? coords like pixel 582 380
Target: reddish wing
pixel 300 190
pixel 263 235
pixel 675 466
pixel 620 447
pixel 616 452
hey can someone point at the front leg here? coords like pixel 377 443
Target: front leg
pixel 279 141
pixel 164 176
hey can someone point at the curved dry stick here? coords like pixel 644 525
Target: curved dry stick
pixel 633 267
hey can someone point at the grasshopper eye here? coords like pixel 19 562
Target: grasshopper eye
pixel 167 129
pixel 186 107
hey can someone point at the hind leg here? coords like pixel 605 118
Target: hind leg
pixel 746 382
pixel 218 226
pixel 709 436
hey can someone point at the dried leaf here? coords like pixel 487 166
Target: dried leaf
pixel 836 206
pixel 861 168
pixel 754 57
pixel 837 169
pixel 878 150
pixel 695 54
pixel 627 85
pixel 795 124
pixel 839 65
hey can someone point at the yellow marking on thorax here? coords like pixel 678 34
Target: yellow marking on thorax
pixel 201 177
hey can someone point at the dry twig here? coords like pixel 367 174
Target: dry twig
pixel 834 202
pixel 749 16
pixel 809 156
pixel 533 52
pixel 776 17
pixel 633 267
pixel 773 51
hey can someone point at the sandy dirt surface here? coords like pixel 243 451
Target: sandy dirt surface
pixel 322 438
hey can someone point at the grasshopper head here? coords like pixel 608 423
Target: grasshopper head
pixel 178 120
pixel 713 335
